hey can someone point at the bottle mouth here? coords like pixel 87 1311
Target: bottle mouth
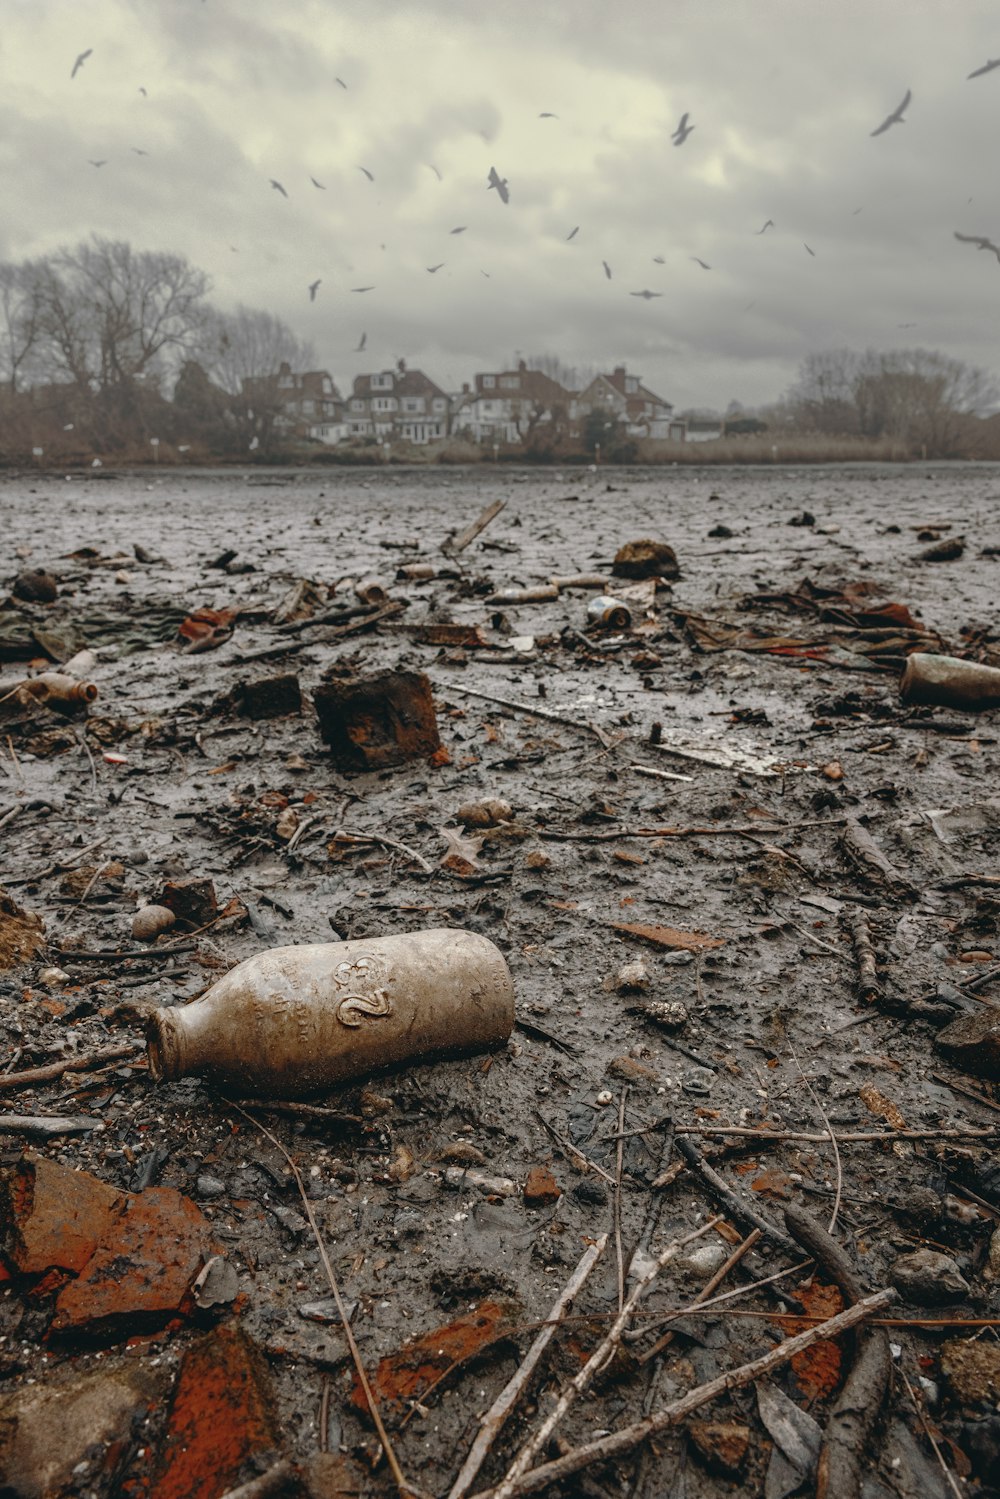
pixel 163 1046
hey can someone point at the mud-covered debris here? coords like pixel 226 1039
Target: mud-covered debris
pixel 943 551
pixel 722 1446
pixel 929 1278
pixel 149 922
pixel 459 1177
pixel 35 587
pixel 57 690
pixel 544 593
pixel 378 721
pixel 541 1188
pixel 222 1423
pixel 632 978
pixel 797 1438
pixel 972 1042
pixel 646 559
pixel 946 681
pixel 461 855
pixel 607 613
pixel 720 532
pixel 485 813
pixel 404 1376
pixel 972 1370
pixel 22 935
pixel 193 901
pixel 804 518
pixel 671 1014
pixel 630 1070
pixel 73 1433
pixel 216 1284
pixel 669 936
pixel 269 697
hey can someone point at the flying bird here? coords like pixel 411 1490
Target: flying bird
pixel 317 184
pixel 432 168
pixel 987 67
pixel 646 295
pixel 314 287
pixel 806 247
pixel 277 186
pixel 434 268
pixel 547 114
pixel 683 130
pixel 367 173
pixel 80 61
pixel 486 274
pixel 341 82
pixel 769 225
pixel 979 240
pixel 573 234
pixel 896 118
pixel 500 183
pixel 138 151
pixel 659 260
pixel 362 288
pixel 460 230
pixel 607 269
pixel 143 92
pixel 361 343
pixel 98 163
pixel 698 261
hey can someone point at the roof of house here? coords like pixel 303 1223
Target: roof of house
pixel 532 385
pixel 404 383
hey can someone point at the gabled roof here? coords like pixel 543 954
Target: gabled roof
pixel 617 379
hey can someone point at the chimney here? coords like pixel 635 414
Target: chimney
pixel 521 366
pixel 619 372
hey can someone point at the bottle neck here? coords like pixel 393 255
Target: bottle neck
pixel 163 1043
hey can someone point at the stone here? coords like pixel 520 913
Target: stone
pixel 22 935
pixel 671 1014
pixel 541 1188
pixel 210 1186
pixel 52 1217
pixel 929 1278
pixel 972 1042
pixel 631 1071
pixel 75 1420
pixel 371 723
pixel 35 587
pixel 150 921
pixel 193 901
pixel 222 1428
pixel 972 1370
pixel 646 559
pixel 270 697
pixel 632 978
pixel 722 1445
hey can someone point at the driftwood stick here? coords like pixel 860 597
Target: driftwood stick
pixel 852 1137
pixel 597 1361
pixel 380 838
pixel 669 1415
pixel 298 1110
pixel 728 1199
pixel 547 713
pixel 844 1454
pixel 694 831
pixel 459 543
pixel 92 1060
pixel 869 985
pixel 47 1126
pixel 502 1406
pixel 706 1290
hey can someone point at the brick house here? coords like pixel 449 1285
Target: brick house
pixel 298 403
pixel 398 404
pixel 509 406
pixel 624 397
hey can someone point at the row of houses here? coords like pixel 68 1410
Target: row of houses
pixel 506 407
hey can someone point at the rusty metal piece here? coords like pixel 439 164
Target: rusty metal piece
pixel 376 721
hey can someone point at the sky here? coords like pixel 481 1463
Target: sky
pixel 224 95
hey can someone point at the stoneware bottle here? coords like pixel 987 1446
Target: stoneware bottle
pixel 296 1020
pixel 949 682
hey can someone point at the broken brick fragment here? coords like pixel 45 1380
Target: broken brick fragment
pixel 721 1445
pixel 52 1217
pixel 192 901
pixel 406 1375
pixel 541 1188
pixel 222 1421
pixel 377 721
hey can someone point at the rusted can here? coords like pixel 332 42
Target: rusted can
pixel 948 682
pixel 609 613
pixel 296 1020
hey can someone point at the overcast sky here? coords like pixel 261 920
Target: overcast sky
pixel 783 95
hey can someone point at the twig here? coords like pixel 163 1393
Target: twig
pixel 532 711
pixel 586 1164
pixel 92 1060
pixel 493 1421
pixel 695 831
pixel 949 1476
pixel 659 775
pixel 851 1137
pixel 728 1199
pixel 714 1302
pixel 597 1361
pixel 987 1103
pixel 818 941
pixel 81 740
pixel 619 1165
pixel 459 543
pixel 47 1126
pixel 380 838
pixel 844 1455
pixel 276 1481
pixel 838 1193
pixel 706 1290
pixel 404 1489
pixel 324 1416
pixel 669 1415
pixel 299 1110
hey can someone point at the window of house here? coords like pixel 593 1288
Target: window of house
pixel 327 386
pixel 382 382
pixel 357 405
pixel 510 382
pixel 438 404
pixel 631 386
pixel 412 403
pixel 489 382
pixel 383 403
pixel 308 407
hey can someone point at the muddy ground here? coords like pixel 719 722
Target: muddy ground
pixel 775 1032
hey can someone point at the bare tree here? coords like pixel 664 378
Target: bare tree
pixel 243 352
pixel 20 320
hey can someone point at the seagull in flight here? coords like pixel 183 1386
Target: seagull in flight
pixel 432 269
pixel 341 82
pixel 573 234
pixel 769 225
pixel 460 230
pixel 500 183
pixel 547 114
pixel 320 185
pixel 313 289
pixel 361 343
pixel 659 260
pixel 979 240
pixel 698 261
pixel 994 62
pixel 647 296
pixel 80 61
pixel 896 118
pixel 367 173
pixel 138 151
pixel 806 247
pixel 683 130
pixel 362 288
pixel 432 168
pixel 607 269
pixel 277 186
pixel 98 163
pixel 143 92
